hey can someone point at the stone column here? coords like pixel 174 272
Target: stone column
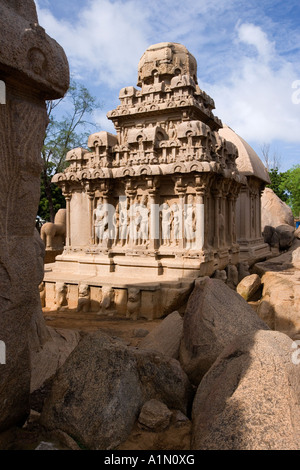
pixel 130 192
pixel 216 195
pixel 91 199
pixel 67 195
pixel 230 200
pixel 34 69
pixel 200 214
pixel 180 189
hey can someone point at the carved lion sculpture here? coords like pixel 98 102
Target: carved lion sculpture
pixel 61 296
pixel 83 298
pixel 54 234
pixel 108 295
pixel 133 303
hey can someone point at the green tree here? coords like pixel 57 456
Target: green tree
pixel 290 185
pixel 276 181
pixel 64 132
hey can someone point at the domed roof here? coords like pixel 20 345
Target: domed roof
pixel 166 59
pixel 248 162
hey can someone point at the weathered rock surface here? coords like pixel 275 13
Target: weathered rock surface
pixel 232 276
pixel 98 393
pixel 30 64
pixel 274 211
pixel 166 337
pixel 215 314
pixel 46 360
pixel 285 235
pixel 177 436
pixel 249 286
pixel 279 306
pixel 249 399
pixel 154 415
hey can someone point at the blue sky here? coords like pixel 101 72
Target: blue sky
pixel 248 56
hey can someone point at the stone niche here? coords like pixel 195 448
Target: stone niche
pixel 153 207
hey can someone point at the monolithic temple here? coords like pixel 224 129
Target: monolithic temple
pixel 172 196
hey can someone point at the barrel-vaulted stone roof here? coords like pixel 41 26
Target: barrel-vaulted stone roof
pixel 248 162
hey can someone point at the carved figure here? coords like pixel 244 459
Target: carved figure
pixel 61 296
pixel 133 303
pixel 143 221
pixel 107 300
pixel 101 222
pixel 123 221
pixel 83 298
pixel 54 234
pixel 165 224
pixel 189 221
pixel 176 223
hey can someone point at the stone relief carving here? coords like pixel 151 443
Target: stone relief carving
pixel 101 222
pixel 61 301
pixel 133 303
pixel 107 301
pixel 83 298
pixel 54 234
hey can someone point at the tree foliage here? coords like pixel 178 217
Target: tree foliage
pixel 276 183
pixel 64 132
pixel 290 186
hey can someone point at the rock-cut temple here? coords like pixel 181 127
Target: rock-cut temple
pixel 171 196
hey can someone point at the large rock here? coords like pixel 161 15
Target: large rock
pixel 249 399
pixel 46 360
pixel 249 286
pixel 98 393
pixel 166 337
pixel 286 236
pixel 279 306
pixel 154 415
pixel 274 211
pixel 215 314
pixel 281 293
pixel 34 69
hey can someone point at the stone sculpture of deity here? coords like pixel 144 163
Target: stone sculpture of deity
pixel 101 222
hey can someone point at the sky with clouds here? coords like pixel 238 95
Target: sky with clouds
pixel 248 56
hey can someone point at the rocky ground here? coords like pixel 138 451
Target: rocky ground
pixel 221 373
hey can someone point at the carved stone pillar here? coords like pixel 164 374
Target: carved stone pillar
pixel 131 192
pixel 67 195
pixel 91 199
pixel 230 201
pixel 180 189
pixel 216 195
pixel 154 214
pixel 200 214
pixel 34 69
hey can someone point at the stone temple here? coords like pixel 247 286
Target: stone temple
pixel 172 196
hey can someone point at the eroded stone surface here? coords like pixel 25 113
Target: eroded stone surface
pixel 249 399
pixel 99 391
pixel 30 64
pixel 215 314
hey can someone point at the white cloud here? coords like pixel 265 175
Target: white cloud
pixel 255 99
pixel 247 67
pixel 105 42
pixel 253 35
